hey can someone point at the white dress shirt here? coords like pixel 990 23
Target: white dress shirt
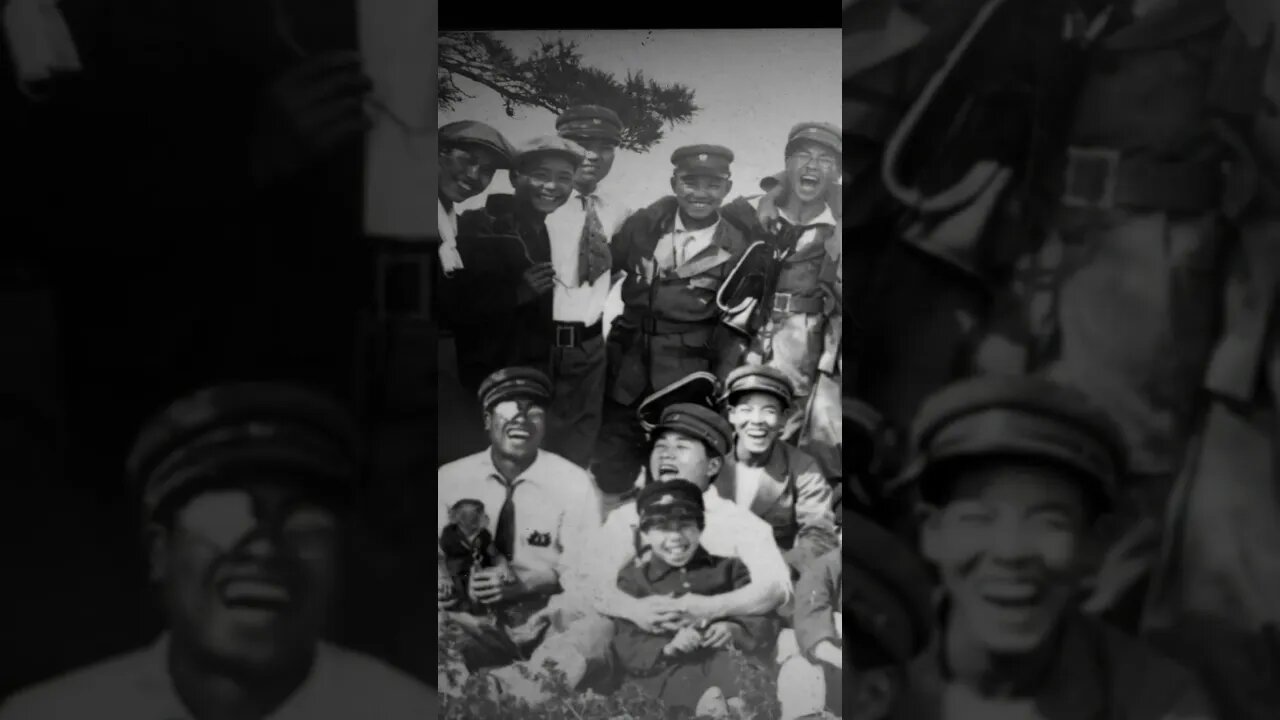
pixel 678 246
pixel 557 508
pixel 447 224
pixel 731 531
pixel 341 685
pixel 575 303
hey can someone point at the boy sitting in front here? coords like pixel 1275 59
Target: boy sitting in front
pixel 687 667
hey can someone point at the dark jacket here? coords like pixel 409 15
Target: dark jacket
pixel 492 331
pixel 668 326
pixel 680 681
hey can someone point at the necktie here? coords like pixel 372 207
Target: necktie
pixel 504 535
pixel 594 257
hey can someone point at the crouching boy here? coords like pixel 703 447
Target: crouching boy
pixel 687 666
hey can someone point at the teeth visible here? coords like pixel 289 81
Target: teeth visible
pixel 255 591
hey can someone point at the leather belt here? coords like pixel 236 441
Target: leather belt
pixel 798 305
pixel 573 334
pixel 1102 178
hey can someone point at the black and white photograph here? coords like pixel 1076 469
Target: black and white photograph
pixel 640 365
pixel 216 374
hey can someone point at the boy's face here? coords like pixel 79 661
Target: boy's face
pixel 597 163
pixel 466 172
pixel 700 196
pixel 1008 547
pixel 677 456
pixel 672 539
pixel 811 170
pixel 757 418
pixel 545 180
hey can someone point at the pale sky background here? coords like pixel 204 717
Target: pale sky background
pixel 752 86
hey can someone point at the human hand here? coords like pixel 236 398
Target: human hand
pixel 308 111
pixel 444 587
pixel 657 614
pixel 717 635
pixel 491 585
pixel 535 281
pixel 686 641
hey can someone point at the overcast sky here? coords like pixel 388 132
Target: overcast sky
pixel 752 86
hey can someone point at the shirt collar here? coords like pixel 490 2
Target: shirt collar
pixel 655 568
pixel 529 475
pixel 826 217
pixel 678 226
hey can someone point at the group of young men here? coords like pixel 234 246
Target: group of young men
pixel 705 285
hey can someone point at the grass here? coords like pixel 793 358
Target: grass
pixel 759 693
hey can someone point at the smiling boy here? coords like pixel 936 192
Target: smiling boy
pixel 500 306
pixel 690 667
pixel 676 253
pixel 780 483
pixel 1012 470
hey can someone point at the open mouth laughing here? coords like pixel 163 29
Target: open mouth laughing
pixel 809 181
pixel 263 596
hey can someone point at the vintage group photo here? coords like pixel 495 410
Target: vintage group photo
pixel 640 482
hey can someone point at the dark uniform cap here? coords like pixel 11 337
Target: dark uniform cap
pixel 470 132
pixel 825 133
pixel 759 378
pixel 1026 416
pixel 888 590
pixel 223 432
pixel 713 160
pixel 590 122
pixel 700 422
pixel 698 388
pixel 514 382
pixel 550 145
pixel 673 498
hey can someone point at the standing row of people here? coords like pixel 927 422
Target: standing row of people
pixel 706 285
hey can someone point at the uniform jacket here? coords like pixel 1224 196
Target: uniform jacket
pixel 1099 673
pixel 342 685
pixel 818 596
pixel 677 305
pixel 793 496
pixel 497 244
pixel 798 342
pixel 705 574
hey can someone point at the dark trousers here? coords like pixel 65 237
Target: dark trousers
pixel 620 451
pixel 578 376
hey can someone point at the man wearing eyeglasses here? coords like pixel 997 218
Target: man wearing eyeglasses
pixel 795 323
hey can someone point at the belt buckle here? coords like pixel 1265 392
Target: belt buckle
pixel 1090 177
pixel 566 331
pixel 784 305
